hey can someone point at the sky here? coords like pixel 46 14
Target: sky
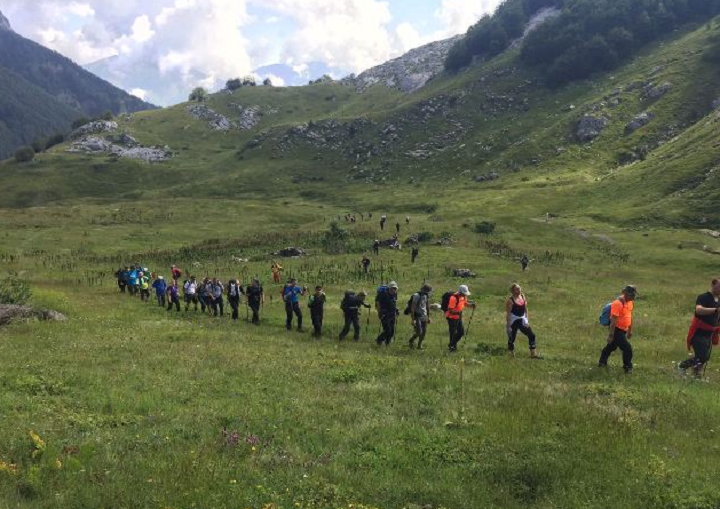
pixel 219 39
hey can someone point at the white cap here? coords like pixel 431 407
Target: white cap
pixel 393 284
pixel 464 290
pixel 160 277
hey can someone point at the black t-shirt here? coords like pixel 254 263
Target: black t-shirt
pixel 254 294
pixel 387 304
pixel 707 300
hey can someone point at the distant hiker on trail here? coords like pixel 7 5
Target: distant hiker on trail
pixel 704 331
pixel 235 290
pixel 419 312
pixel 524 262
pixel 397 227
pixel 160 287
pixel 276 269
pixel 190 293
pixel 255 299
pixel 620 329
pixel 316 303
pixel 291 294
pixel 414 254
pixel 176 273
pixel 517 319
pixel 217 289
pixel 365 264
pixel 376 247
pixel 456 303
pixel 350 306
pixel 388 312
pixel 173 297
pixel 383 218
pixel 144 284
pixel 203 293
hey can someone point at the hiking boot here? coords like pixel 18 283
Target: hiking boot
pixel 411 344
pixel 511 354
pixel 602 365
pixel 628 371
pixel 534 354
pixel 420 347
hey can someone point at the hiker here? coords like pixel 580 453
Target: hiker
pixel 234 291
pixel 383 218
pixel 376 247
pixel 176 273
pixel 276 269
pixel 351 306
pixel 203 295
pixel 190 293
pixel 407 220
pixel 419 312
pixel 620 329
pixel 160 288
pixel 144 285
pixel 172 296
pixel 524 262
pixel 217 289
pixel 704 331
pixel 255 298
pixel 397 227
pixel 386 303
pixel 517 319
pixel 414 254
pixel 365 264
pixel 121 275
pixel 316 303
pixel 456 303
pixel 133 282
pixel 291 294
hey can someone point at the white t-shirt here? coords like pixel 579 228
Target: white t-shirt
pixel 190 288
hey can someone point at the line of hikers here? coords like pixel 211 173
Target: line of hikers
pixel 617 315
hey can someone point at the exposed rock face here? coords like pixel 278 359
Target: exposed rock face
pixel 96 127
pixel 123 145
pixel 8 313
pixel 487 178
pixel 638 122
pixel 409 72
pixel 655 92
pixel 464 273
pixel 590 128
pixel 4 23
pixel 249 116
pixel 290 252
pixel 216 121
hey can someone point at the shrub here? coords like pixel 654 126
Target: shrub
pixel 425 236
pixel 24 154
pixel 233 84
pixel 484 227
pixel 199 94
pixel 55 139
pixel 80 122
pixel 106 115
pixel 14 290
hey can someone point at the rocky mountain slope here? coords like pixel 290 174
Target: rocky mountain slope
pixel 4 23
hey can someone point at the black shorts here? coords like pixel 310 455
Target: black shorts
pixel 191 298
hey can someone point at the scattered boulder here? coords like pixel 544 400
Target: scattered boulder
pixel 216 121
pixel 290 252
pixel 445 241
pixel 96 127
pixel 238 259
pixel 464 273
pixel 712 233
pixel 8 313
pixel 487 178
pixel 590 127
pixel 249 116
pixel 97 145
pixel 638 122
pixel 656 92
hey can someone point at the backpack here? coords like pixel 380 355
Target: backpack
pixel 409 304
pixel 445 302
pixel 349 301
pixel 381 289
pixel 605 319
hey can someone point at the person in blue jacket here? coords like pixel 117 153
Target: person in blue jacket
pixel 160 287
pixel 133 282
pixel 291 294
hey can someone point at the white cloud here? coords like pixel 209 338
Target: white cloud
pixel 458 15
pixel 277 81
pixel 82 10
pixel 142 29
pixel 139 92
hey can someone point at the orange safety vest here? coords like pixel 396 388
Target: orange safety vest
pixel 455 307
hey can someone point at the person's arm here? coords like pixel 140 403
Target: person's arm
pixel 703 311
pixel 527 309
pixel 611 328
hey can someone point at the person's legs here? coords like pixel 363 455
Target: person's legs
pixel 255 307
pixel 220 305
pixel 289 315
pixel 513 334
pixel 298 312
pixel 346 328
pixel 235 305
pixel 609 349
pixel 356 326
pixel 624 345
pixel 421 332
pixel 527 330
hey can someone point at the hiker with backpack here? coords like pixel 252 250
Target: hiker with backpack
pixel 121 276
pixel 216 293
pixel 414 254
pixel 190 293
pixel 235 290
pixel 419 311
pixel 454 304
pixel 203 295
pixel 173 296
pixel 176 273
pixel 255 299
pixel 144 285
pixel 517 319
pixel 316 303
pixel 618 316
pixel 160 287
pixel 704 330
pixel 376 247
pixel 386 303
pixel 351 306
pixel 291 294
pixel 383 218
pixel 365 264
pixel 133 282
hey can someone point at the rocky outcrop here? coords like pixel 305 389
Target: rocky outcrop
pixel 96 127
pixel 590 127
pixel 5 24
pixel 122 145
pixel 216 121
pixel 638 122
pixel 9 313
pixel 249 116
pixel 290 252
pixel 408 73
pixel 656 91
pixel 464 273
pixel 487 178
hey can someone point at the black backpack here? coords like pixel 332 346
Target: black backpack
pixel 409 304
pixel 349 301
pixel 445 302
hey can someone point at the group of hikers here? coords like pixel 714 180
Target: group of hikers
pixel 210 293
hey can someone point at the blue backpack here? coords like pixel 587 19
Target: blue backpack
pixel 605 315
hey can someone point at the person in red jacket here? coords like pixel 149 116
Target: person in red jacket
pixel 176 273
pixel 704 331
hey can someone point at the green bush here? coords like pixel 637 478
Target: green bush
pixel 425 236
pixel 24 154
pixel 484 227
pixel 14 290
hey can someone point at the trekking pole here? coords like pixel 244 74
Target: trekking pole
pixel 467 331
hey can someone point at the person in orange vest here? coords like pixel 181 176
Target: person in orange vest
pixel 457 303
pixel 276 269
pixel 620 329
pixel 704 331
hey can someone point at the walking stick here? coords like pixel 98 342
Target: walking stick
pixel 467 331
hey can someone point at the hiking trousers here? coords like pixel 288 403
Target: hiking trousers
pixel 702 347
pixel 620 341
pixel 218 306
pixel 290 309
pixel 352 317
pixel 388 329
pixel 144 295
pixel 457 331
pixel 516 326
pixel 255 307
pixel 175 302
pixel 161 300
pixel 420 325
pixel 235 305
pixel 122 285
pixel 316 316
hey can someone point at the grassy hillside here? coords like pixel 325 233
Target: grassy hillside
pixel 131 401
